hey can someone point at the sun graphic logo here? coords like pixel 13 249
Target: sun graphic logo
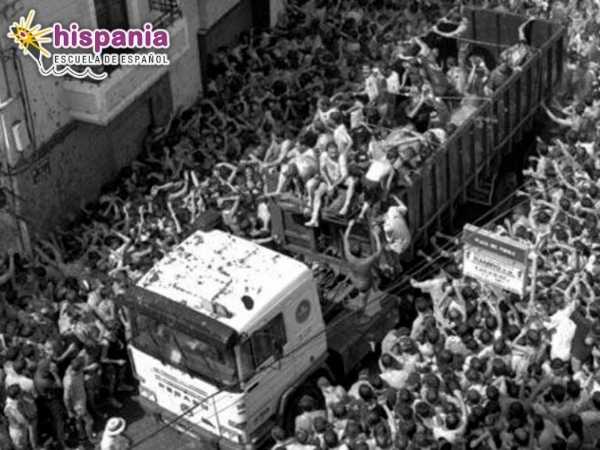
pixel 31 39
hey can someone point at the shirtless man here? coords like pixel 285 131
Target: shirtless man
pixel 275 154
pixel 323 114
pixel 341 137
pixel 378 179
pixel 457 75
pixel 361 268
pixel 395 228
pixel 371 84
pixel 334 172
pixel 301 169
pixel 478 78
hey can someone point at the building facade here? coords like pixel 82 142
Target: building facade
pixel 61 139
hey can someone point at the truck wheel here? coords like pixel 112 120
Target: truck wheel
pixel 292 410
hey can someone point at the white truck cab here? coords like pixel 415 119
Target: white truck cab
pixel 222 330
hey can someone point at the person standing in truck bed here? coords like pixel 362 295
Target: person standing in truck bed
pixel 361 267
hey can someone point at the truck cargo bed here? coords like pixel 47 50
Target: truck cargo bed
pixel 471 156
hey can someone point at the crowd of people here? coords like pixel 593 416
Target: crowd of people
pixel 481 368
pixel 343 101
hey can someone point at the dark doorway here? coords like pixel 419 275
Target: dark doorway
pixel 111 14
pixel 261 14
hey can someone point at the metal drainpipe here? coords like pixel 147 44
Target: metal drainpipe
pixel 24 95
pixel 23 233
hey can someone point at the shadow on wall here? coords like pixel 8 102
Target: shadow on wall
pixel 227 29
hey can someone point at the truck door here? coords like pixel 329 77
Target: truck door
pixel 305 327
pixel 281 350
pixel 265 369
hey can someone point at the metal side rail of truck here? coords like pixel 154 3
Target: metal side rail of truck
pixel 228 335
pixel 465 168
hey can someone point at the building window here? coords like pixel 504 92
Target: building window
pixel 111 14
pixel 165 12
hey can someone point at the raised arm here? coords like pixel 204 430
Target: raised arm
pixel 9 274
pixel 233 169
pixel 378 248
pixel 412 112
pixel 347 253
pixel 522 28
pixel 460 29
pixel 558 120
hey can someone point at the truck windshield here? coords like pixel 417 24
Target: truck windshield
pixel 209 360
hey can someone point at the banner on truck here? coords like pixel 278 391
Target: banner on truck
pixel 494 259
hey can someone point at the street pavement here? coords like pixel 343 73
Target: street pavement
pixel 147 433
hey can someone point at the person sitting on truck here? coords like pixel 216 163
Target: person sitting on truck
pixel 378 179
pixel 477 80
pixel 341 137
pixel 395 229
pixel 333 166
pixel 361 268
pixel 498 77
pixel 325 110
pixel 302 170
pixel 276 153
pixel 457 75
pixel 357 111
pixel 517 55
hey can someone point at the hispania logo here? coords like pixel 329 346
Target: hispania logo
pixel 32 38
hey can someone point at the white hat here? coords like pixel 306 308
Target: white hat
pixel 115 426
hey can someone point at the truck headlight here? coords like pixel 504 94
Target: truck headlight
pixel 148 394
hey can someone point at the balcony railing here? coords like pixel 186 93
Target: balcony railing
pixel 99 102
pixel 169 10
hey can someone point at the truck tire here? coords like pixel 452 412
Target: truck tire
pixel 291 410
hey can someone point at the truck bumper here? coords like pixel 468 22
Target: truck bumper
pixel 206 439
